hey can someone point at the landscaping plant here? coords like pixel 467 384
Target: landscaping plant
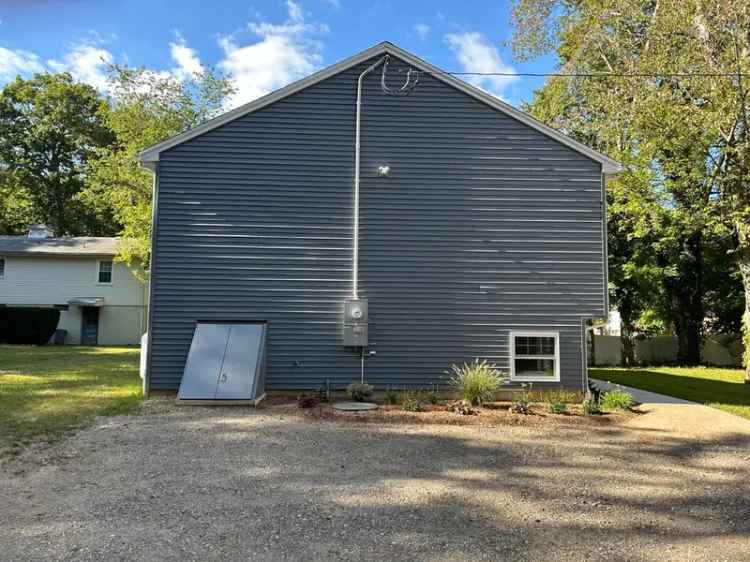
pixel 522 402
pixel 359 391
pixel 412 401
pixel 476 382
pixel 617 399
pixel 462 408
pixel 591 407
pixel 432 395
pixel 558 400
pixel 557 407
pixel 391 395
pixel 411 405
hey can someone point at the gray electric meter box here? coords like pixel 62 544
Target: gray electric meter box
pixel 355 322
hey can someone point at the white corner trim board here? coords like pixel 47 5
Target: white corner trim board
pixel 150 156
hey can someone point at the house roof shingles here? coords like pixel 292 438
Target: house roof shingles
pixel 67 246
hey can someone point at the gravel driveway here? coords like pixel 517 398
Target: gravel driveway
pixel 270 484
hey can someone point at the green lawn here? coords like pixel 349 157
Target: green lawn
pixel 719 388
pixel 46 391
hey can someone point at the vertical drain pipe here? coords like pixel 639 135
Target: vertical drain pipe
pixel 355 254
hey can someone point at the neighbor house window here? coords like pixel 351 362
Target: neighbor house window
pixel 2 268
pixel 535 356
pixel 105 271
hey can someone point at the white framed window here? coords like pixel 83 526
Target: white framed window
pixel 535 356
pixel 104 274
pixel 2 268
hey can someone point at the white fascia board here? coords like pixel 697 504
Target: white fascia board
pixel 151 155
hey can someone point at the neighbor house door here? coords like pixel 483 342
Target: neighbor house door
pixel 90 325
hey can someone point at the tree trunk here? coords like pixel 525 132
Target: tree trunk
pixel 688 311
pixel 743 262
pixel 627 340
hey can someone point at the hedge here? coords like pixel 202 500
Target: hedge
pixel 30 325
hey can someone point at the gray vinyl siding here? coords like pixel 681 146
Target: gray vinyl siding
pixel 485 226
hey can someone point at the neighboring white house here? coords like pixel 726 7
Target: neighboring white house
pixel 101 302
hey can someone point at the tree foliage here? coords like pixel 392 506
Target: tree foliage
pixel 50 129
pixel 673 108
pixel 145 108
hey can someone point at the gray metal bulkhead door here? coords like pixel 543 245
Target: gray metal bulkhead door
pixel 225 362
pixel 204 360
pixel 241 362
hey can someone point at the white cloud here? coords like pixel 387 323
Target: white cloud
pixel 188 63
pixel 476 54
pixel 284 52
pixel 13 63
pixel 334 3
pixel 295 11
pixel 422 29
pixel 86 63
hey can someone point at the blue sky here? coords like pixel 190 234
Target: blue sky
pixel 263 44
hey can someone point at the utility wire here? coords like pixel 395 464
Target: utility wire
pixel 590 75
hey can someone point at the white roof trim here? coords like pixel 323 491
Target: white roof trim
pixel 150 156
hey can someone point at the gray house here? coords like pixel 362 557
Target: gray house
pixel 473 231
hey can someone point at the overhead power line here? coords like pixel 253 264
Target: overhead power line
pixel 592 74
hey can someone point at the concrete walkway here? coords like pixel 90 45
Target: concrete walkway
pixel 672 416
pixel 641 396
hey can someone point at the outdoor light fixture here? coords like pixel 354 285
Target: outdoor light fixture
pixel 384 171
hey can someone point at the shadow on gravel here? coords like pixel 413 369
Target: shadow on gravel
pixel 206 484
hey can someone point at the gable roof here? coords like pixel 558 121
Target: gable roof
pixel 150 155
pixel 66 246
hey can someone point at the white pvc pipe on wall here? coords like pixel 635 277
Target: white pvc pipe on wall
pixel 355 256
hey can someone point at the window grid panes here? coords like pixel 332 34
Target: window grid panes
pixel 2 268
pixel 535 357
pixel 105 272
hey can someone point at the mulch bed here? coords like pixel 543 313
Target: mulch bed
pixel 494 414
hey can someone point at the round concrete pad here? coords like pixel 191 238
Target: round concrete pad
pixel 355 406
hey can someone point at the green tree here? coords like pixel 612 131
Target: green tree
pixel 15 206
pixel 145 108
pixel 50 128
pixel 668 104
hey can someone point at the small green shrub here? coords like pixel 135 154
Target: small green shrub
pixel 617 399
pixel 359 391
pixel 522 401
pixel 412 405
pixel 432 395
pixel 391 395
pixel 412 400
pixel 558 400
pixel 476 382
pixel 591 407
pixel 558 407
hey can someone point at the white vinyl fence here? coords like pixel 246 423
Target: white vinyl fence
pixel 607 351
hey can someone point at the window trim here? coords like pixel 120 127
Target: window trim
pixel 533 333
pixel 99 272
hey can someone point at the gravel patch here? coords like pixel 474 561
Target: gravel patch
pixel 200 483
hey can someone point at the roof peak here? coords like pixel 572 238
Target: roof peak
pixel 150 155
